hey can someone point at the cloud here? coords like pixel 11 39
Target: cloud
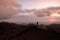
pixel 42 12
pixel 26 16
pixel 31 19
pixel 47 11
pixel 8 8
pixel 21 19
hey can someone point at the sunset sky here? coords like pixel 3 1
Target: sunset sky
pixel 17 11
pixel 31 4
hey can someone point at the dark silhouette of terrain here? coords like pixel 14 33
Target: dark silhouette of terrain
pixel 55 27
pixel 11 31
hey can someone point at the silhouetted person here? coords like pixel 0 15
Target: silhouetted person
pixel 37 23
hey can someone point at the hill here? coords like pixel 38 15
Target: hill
pixel 11 31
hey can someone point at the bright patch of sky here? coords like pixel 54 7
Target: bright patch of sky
pixel 38 4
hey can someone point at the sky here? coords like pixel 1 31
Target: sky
pixel 30 11
pixel 38 4
pixel 8 8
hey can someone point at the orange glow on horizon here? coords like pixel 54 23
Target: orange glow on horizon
pixel 52 20
pixel 55 14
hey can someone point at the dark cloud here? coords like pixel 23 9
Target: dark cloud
pixel 8 8
pixel 44 12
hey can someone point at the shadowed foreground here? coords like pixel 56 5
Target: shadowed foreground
pixel 28 32
pixel 37 34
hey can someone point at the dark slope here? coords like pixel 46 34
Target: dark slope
pixel 10 31
pixel 37 34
